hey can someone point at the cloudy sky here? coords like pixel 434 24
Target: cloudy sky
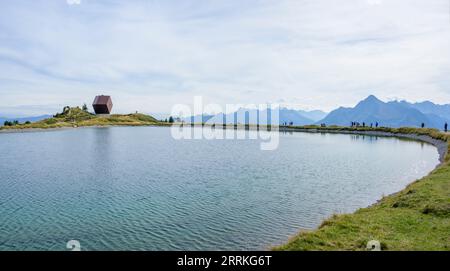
pixel 150 55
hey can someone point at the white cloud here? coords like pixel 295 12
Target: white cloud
pixel 73 2
pixel 151 55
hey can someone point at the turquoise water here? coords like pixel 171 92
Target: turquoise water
pixel 136 188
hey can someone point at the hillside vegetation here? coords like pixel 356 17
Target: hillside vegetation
pixel 417 218
pixel 76 117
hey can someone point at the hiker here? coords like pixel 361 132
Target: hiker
pixel 423 125
pixel 364 124
pixel 376 124
pixel 446 127
pixel 371 125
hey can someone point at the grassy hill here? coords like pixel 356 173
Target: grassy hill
pixel 76 117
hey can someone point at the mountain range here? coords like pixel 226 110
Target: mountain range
pixel 369 111
pixel 391 114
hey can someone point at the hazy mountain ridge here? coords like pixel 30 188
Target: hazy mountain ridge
pixel 315 115
pixel 428 107
pixel 297 117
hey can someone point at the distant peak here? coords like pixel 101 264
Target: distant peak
pixel 372 98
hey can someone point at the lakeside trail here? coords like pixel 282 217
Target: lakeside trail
pixel 416 218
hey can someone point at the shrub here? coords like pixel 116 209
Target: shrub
pixel 11 123
pixel 50 121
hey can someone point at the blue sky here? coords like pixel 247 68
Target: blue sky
pixel 150 55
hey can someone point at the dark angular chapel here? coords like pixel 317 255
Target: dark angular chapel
pixel 102 104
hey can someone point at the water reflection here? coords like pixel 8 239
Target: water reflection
pixel 367 138
pixel 102 145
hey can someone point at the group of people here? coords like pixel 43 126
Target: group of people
pixel 288 123
pixel 357 124
pixel 445 126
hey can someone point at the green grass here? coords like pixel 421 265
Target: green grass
pixel 417 218
pixel 75 117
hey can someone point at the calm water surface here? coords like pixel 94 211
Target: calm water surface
pixel 136 188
